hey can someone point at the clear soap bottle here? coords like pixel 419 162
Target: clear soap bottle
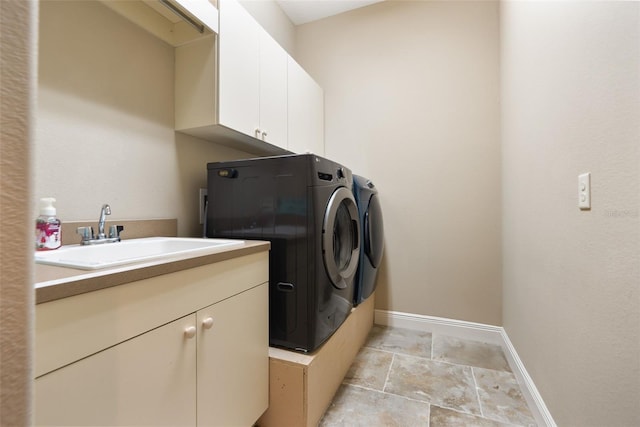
pixel 48 226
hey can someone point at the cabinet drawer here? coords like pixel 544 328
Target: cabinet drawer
pixel 75 327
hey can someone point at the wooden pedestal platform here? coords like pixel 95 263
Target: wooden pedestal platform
pixel 301 386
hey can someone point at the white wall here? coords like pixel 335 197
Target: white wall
pixel 571 104
pixel 105 121
pixel 411 102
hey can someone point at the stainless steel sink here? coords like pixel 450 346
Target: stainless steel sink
pixel 130 251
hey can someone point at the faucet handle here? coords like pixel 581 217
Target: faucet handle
pixel 115 230
pixel 85 232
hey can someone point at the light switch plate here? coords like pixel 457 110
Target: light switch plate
pixel 584 191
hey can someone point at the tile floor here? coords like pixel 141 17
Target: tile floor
pixel 409 378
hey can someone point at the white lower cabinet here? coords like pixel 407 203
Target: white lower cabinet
pixel 148 380
pixel 207 368
pixel 232 385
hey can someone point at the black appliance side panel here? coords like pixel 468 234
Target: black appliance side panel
pixel 263 201
pixel 289 288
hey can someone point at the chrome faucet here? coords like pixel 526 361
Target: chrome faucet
pixel 106 210
pixel 87 232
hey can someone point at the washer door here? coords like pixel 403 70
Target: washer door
pixel 340 238
pixel 373 232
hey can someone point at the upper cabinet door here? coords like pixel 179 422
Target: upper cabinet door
pixel 273 91
pixel 261 93
pixel 239 81
pixel 305 111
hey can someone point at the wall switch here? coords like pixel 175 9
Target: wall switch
pixel 584 191
pixel 202 197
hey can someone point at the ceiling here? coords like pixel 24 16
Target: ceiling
pixel 303 11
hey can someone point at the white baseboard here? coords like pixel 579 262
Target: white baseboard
pixel 477 332
pixel 440 325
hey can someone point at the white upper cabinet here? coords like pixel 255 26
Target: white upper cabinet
pixel 253 77
pixel 239 66
pixel 242 89
pixel 305 111
pixel 273 91
pixel 233 90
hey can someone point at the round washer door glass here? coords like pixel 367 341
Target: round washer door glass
pixel 341 236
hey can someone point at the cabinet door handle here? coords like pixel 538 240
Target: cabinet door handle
pixel 207 323
pixel 264 136
pixel 190 332
pixel 257 132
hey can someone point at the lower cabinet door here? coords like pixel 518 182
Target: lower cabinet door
pixel 148 380
pixel 233 360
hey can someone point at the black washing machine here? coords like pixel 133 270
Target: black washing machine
pixel 304 206
pixel 371 237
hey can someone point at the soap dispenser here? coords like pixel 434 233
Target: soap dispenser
pixel 48 226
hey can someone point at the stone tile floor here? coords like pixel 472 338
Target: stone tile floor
pixel 410 378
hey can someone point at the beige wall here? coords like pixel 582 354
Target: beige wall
pixel 18 32
pixel 105 122
pixel 571 104
pixel 411 102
